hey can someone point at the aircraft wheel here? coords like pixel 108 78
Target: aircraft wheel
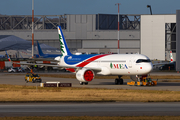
pixel 33 80
pixel 116 81
pixel 86 83
pixel 81 83
pixel 121 81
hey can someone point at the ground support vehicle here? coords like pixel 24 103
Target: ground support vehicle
pixel 144 81
pixel 13 70
pixel 31 77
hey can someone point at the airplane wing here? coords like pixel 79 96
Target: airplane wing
pixel 42 59
pixel 41 64
pixel 163 63
pixel 32 61
pixel 95 69
pixel 167 62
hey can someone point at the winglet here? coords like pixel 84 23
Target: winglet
pixel 63 45
pixel 8 57
pixel 171 56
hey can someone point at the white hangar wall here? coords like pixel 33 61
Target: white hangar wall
pixel 153 35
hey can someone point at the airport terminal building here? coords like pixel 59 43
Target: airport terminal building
pixel 151 35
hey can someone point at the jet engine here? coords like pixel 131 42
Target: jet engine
pixel 85 75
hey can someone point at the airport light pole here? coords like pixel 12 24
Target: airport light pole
pixel 149 6
pixel 118 51
pixel 32 28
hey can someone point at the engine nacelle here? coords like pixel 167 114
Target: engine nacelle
pixel 85 75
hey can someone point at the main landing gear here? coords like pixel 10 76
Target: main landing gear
pixel 119 80
pixel 85 83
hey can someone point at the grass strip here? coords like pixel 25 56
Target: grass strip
pixel 17 93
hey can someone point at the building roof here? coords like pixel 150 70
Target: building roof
pixel 11 42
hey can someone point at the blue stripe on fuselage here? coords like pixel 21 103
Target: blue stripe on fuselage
pixel 74 59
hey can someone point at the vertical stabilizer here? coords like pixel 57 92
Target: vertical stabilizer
pixel 39 50
pixel 63 45
pixel 171 56
pixel 8 57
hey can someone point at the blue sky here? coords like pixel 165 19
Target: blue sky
pixel 60 7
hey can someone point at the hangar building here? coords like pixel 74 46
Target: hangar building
pixel 152 35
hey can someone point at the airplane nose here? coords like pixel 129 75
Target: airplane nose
pixel 149 68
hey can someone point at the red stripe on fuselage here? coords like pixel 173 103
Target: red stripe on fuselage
pixel 71 70
pixel 90 60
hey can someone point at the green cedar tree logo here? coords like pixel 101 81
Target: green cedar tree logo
pixel 61 44
pixel 111 65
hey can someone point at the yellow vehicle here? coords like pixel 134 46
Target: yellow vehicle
pixel 144 82
pixel 132 83
pixel 31 77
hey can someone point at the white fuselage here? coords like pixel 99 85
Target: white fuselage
pixel 111 64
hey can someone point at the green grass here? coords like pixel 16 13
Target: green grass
pixel 16 93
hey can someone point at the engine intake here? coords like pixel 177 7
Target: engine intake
pixel 85 75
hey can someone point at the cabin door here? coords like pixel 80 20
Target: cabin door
pixel 130 62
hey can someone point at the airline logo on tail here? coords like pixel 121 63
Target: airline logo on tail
pixel 9 59
pixel 63 45
pixel 171 56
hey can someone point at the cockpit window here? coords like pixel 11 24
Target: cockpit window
pixel 143 60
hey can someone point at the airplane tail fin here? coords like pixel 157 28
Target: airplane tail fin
pixel 8 57
pixel 63 45
pixel 171 56
pixel 40 53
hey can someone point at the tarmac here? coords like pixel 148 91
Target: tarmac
pixel 14 79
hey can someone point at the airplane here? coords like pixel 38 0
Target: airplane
pixel 42 55
pixel 86 66
pixel 159 64
pixel 168 65
pixel 171 56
